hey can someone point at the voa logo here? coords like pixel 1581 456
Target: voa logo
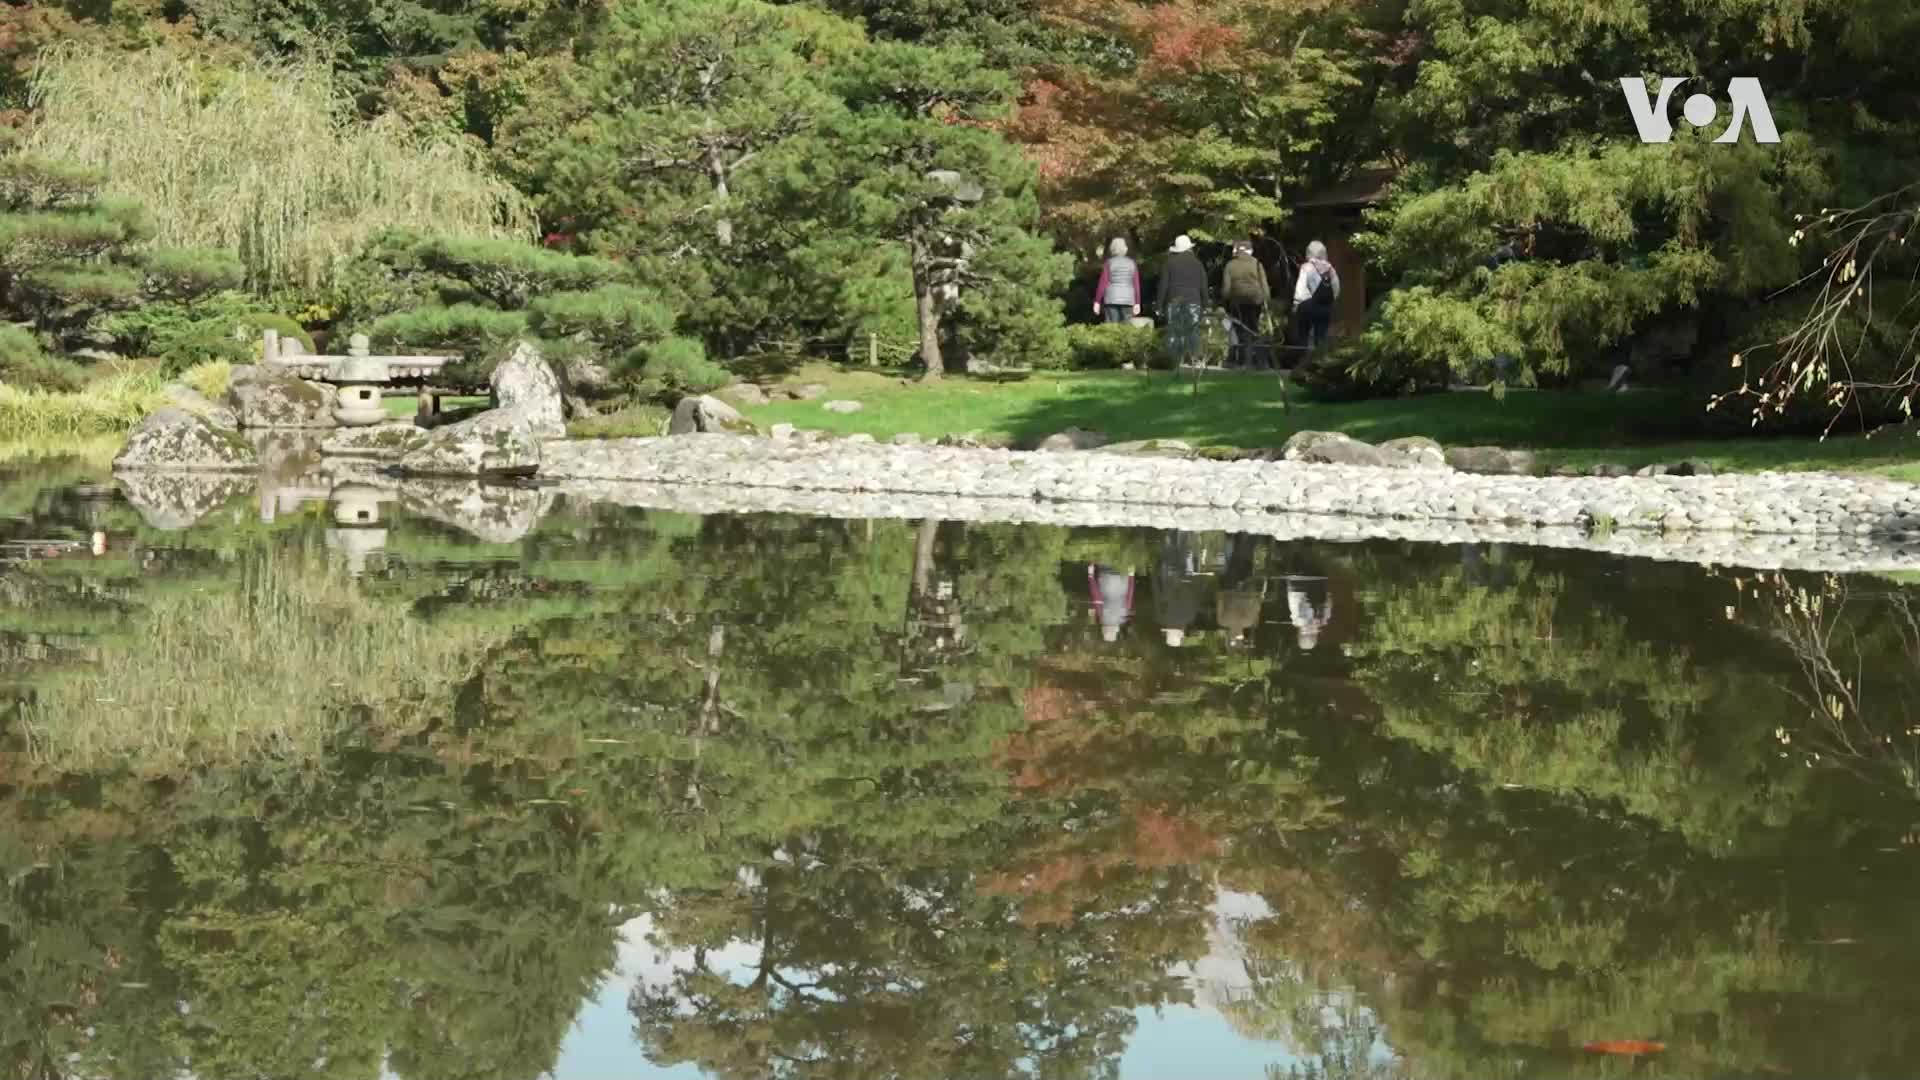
pixel 1749 104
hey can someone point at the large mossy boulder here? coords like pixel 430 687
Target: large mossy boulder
pixel 1335 448
pixel 499 442
pixel 176 440
pixel 266 399
pixel 171 501
pixel 524 383
pixel 390 440
pixel 1420 451
pixel 705 414
pixel 1492 460
pixel 491 513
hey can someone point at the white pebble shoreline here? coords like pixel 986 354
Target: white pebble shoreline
pixel 1815 521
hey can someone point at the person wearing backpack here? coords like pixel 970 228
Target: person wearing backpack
pixel 1117 298
pixel 1244 289
pixel 1314 294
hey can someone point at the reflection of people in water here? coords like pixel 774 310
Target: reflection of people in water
pixel 1112 598
pixel 1237 607
pixel 1177 591
pixel 1489 569
pixel 1309 608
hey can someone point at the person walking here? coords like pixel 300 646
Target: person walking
pixel 1237 604
pixel 1314 294
pixel 1112 592
pixel 1183 297
pixel 1117 298
pixel 1177 590
pixel 1244 288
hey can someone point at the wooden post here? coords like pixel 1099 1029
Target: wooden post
pixel 873 349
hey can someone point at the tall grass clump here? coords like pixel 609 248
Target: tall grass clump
pixel 111 404
pixel 275 663
pixel 107 406
pixel 262 159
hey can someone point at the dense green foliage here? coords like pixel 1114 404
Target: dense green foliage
pixel 786 183
pixel 476 298
pixel 73 276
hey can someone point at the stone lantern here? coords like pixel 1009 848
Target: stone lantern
pixel 359 376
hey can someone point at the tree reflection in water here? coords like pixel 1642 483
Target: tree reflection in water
pixel 1505 805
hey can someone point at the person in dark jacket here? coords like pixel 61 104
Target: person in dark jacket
pixel 1244 288
pixel 1184 298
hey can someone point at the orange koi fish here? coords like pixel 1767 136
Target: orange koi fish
pixel 1627 1047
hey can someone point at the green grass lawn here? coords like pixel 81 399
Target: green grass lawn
pixel 1246 412
pixel 404 408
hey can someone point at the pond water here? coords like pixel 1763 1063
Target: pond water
pixel 610 793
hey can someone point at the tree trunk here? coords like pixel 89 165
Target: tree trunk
pixel 923 557
pixel 928 302
pixel 722 221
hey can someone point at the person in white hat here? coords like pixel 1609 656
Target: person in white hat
pixel 1183 297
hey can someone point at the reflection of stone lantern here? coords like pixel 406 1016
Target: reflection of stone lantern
pixel 356 505
pixel 355 545
pixel 356 510
pixel 359 377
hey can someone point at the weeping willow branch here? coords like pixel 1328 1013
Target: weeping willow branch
pixel 262 160
pixel 1874 735
pixel 1821 355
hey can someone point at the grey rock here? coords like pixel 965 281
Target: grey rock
pixel 193 401
pixel 1610 471
pixel 391 440
pixel 1334 448
pixel 859 437
pixel 1691 468
pixel 706 414
pixel 909 438
pixel 1170 448
pixel 967 441
pixel 497 442
pixel 585 373
pixel 1490 460
pixel 742 393
pixel 1073 439
pixel 1423 452
pixel 805 391
pixel 283 454
pixel 524 383
pixel 178 500
pixel 174 439
pixel 781 432
pixel 493 513
pixel 266 399
pixel 843 406
pixel 1651 470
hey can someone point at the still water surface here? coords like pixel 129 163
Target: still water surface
pixel 638 794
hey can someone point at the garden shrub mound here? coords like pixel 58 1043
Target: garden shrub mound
pixel 1112 345
pixel 611 341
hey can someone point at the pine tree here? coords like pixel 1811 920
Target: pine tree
pixel 69 258
pixel 914 163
